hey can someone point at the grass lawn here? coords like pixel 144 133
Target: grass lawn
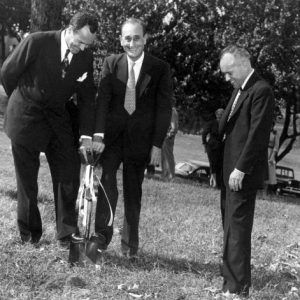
pixel 180 238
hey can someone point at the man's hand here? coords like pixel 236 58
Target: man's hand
pixel 213 180
pixel 85 150
pixel 235 180
pixel 272 160
pixel 98 144
pixel 155 156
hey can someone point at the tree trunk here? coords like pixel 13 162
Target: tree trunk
pixel 46 15
pixel 290 131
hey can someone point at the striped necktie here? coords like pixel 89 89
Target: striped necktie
pixel 234 104
pixel 129 103
pixel 65 64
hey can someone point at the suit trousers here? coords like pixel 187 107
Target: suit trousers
pixel 133 175
pixel 167 158
pixel 238 223
pixel 64 166
pixel 110 160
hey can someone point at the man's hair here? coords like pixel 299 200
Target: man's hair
pixel 134 21
pixel 219 110
pixel 236 51
pixel 83 18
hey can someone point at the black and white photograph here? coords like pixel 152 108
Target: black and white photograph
pixel 150 149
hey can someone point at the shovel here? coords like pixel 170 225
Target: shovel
pixel 87 251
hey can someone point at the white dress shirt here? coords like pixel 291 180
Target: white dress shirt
pixel 64 47
pixel 137 70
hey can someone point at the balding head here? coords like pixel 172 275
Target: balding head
pixel 235 65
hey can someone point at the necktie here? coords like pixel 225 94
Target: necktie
pixel 65 64
pixel 234 104
pixel 130 91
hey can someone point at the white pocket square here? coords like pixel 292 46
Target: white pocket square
pixel 83 77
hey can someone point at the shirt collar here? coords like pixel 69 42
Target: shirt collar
pixel 138 61
pixel 247 78
pixel 63 44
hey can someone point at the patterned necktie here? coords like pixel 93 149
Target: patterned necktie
pixel 65 64
pixel 234 104
pixel 129 103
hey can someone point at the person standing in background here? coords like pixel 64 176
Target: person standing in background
pixel 272 154
pixel 213 146
pixel 245 129
pixel 167 151
pixel 39 77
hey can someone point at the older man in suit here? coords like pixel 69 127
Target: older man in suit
pixel 39 77
pixel 245 127
pixel 133 116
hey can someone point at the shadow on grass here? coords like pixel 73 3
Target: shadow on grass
pixel 12 194
pixel 148 262
pixel 278 281
pixel 290 199
pixel 261 277
pixel 9 193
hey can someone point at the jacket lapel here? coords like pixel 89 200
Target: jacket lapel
pixel 225 115
pixel 122 71
pixel 57 53
pixel 244 93
pixel 144 77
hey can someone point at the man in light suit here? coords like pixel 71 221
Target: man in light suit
pixel 39 77
pixel 132 136
pixel 245 127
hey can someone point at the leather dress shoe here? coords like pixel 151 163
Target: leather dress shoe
pixel 71 238
pixel 28 238
pixel 100 240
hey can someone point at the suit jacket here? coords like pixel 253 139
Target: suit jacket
pixel 210 135
pixel 32 79
pixel 247 132
pixel 149 123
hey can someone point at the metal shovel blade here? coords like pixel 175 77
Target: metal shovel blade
pixel 84 253
pixel 75 253
pixel 91 251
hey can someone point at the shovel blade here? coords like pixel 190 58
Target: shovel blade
pixel 91 251
pixel 75 253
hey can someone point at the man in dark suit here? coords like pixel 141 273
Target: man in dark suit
pixel 213 146
pixel 133 130
pixel 39 77
pixel 245 127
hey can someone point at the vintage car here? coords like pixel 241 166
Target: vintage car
pixel 286 182
pixel 193 169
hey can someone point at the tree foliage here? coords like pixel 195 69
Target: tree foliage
pixel 15 13
pixel 190 34
pixel 46 15
pixel 14 17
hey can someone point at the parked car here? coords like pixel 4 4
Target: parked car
pixel 193 169
pixel 286 182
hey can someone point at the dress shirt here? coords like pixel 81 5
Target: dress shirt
pixel 247 78
pixel 64 47
pixel 137 66
pixel 137 70
pixel 238 94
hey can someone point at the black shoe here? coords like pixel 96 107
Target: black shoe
pixel 71 238
pixel 100 240
pixel 28 238
pixel 95 246
pixel 25 238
